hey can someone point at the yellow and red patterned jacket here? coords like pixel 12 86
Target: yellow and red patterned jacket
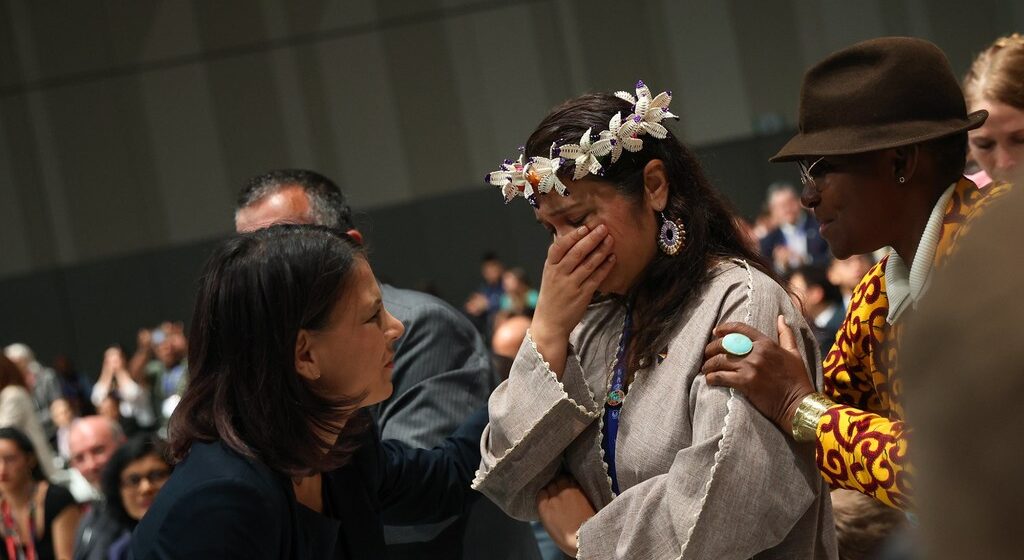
pixel 861 442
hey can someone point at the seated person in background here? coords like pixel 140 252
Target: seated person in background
pixel 63 415
pixel 92 441
pixel 41 381
pixel 131 481
pixel 795 241
pixel 519 299
pixel 38 518
pixel 159 366
pixel 110 407
pixel 821 303
pixel 18 410
pixel 75 387
pixel 133 398
pixel 846 273
pixel 275 459
pixel 483 305
pixel 506 342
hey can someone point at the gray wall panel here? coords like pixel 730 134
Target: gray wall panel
pixel 126 128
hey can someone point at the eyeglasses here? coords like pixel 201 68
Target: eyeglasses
pixel 807 170
pixel 154 477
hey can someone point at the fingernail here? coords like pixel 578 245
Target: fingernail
pixel 600 228
pixel 582 230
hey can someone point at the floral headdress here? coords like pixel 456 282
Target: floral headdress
pixel 540 174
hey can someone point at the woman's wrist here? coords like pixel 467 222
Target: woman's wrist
pixel 806 415
pixel 544 335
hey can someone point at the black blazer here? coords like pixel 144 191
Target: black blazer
pixel 219 504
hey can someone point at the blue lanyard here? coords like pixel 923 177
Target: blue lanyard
pixel 613 402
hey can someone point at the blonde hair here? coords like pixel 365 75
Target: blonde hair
pixel 997 74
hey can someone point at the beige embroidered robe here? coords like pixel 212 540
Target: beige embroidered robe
pixel 702 474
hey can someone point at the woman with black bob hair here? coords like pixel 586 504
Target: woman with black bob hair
pixel 621 448
pixel 275 458
pixel 131 481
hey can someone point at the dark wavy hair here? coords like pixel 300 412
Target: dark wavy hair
pixel 257 291
pixel 142 445
pixel 669 283
pixel 25 446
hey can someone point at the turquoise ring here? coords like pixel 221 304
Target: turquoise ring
pixel 737 344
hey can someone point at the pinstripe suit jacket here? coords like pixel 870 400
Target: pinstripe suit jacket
pixel 702 474
pixel 442 374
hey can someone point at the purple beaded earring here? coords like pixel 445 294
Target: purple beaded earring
pixel 672 235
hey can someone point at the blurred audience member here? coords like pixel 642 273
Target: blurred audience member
pixel 160 365
pixel 764 224
pixel 863 525
pixel 133 400
pixel 73 385
pixel 93 441
pixel 506 342
pixel 18 410
pixel 131 481
pixel 62 414
pixel 994 83
pixel 821 303
pixel 752 239
pixel 519 298
pixel 795 240
pixel 38 518
pixel 845 274
pixel 110 407
pixel 484 304
pixel 41 381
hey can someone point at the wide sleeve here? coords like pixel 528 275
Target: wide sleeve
pixel 741 486
pixel 533 419
pixel 862 451
pixel 859 447
pixel 427 485
pixel 226 519
pixel 442 373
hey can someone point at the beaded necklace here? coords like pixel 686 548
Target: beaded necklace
pixel 613 402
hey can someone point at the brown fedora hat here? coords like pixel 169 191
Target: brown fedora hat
pixel 878 94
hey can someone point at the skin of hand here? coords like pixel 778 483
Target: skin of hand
pixel 772 376
pixel 476 304
pixel 575 266
pixel 143 340
pixel 563 509
pixel 782 256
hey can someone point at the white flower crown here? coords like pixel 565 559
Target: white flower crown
pixel 540 174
